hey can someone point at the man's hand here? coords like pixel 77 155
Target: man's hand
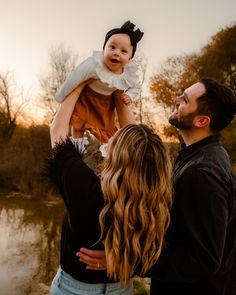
pixel 94 259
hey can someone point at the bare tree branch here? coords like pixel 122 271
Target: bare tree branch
pixel 62 61
pixel 141 60
pixel 11 106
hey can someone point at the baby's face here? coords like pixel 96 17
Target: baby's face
pixel 117 52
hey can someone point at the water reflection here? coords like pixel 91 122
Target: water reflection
pixel 29 243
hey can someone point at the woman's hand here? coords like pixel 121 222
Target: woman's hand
pixel 94 259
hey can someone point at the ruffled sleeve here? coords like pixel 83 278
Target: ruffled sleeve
pixel 82 72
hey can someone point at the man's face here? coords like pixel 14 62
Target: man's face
pixel 186 107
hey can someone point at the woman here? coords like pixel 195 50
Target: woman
pixel 127 210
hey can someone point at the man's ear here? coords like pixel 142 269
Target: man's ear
pixel 201 121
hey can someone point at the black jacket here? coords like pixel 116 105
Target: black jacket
pixel 201 240
pixel 81 192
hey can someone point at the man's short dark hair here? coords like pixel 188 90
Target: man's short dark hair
pixel 218 102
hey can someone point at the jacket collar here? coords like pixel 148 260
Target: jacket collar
pixel 187 151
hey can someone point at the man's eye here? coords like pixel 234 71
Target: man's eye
pixel 184 98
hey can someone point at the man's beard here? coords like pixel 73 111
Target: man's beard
pixel 182 122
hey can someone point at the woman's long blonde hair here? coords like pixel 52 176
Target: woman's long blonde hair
pixel 136 184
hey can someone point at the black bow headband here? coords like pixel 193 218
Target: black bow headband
pixel 127 28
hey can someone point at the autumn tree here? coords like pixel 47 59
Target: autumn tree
pixel 62 61
pixel 217 60
pixel 11 105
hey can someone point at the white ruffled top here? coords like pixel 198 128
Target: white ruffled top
pixel 105 81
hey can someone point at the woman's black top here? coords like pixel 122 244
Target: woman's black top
pixel 81 191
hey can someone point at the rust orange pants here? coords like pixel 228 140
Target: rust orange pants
pixel 94 112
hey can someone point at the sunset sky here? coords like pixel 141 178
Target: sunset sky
pixel 29 28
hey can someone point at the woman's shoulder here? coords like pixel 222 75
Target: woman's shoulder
pixel 62 152
pixel 64 148
pixel 78 154
pixel 67 166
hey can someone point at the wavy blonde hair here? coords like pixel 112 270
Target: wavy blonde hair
pixel 136 184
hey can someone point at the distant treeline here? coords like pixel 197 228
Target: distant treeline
pixel 23 160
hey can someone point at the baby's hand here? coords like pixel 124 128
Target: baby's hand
pixel 126 99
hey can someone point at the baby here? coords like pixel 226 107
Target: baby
pixel 110 70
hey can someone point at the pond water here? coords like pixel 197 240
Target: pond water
pixel 29 243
